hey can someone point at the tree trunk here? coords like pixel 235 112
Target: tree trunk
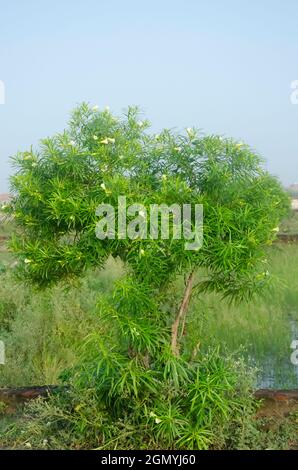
pixel 181 314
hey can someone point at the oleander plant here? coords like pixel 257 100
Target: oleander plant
pixel 137 384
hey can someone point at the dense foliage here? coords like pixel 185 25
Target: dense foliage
pixel 137 370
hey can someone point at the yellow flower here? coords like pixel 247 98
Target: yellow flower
pixel 191 132
pixel 95 137
pixel 107 140
pixel 135 331
pixel 78 407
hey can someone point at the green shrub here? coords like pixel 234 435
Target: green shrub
pixel 143 379
pixel 151 412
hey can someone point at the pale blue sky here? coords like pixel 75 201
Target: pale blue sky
pixel 222 65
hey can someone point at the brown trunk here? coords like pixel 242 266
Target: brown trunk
pixel 181 315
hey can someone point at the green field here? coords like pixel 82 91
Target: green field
pixel 263 328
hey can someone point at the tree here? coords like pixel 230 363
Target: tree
pixel 100 158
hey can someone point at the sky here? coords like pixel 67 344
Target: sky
pixel 224 66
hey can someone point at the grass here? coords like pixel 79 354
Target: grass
pixel 43 331
pixel 263 328
pixel 290 225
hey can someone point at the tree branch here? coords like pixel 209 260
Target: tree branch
pixel 181 314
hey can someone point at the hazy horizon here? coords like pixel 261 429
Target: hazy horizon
pixel 224 67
